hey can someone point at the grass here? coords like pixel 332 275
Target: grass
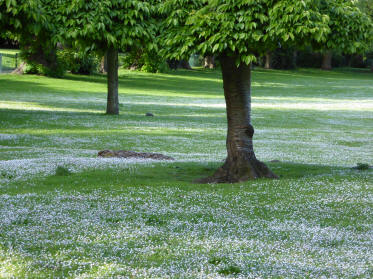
pixel 9 51
pixel 65 213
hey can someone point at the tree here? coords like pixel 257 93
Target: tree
pixel 350 30
pixel 236 32
pixel 31 23
pixel 367 7
pixel 107 27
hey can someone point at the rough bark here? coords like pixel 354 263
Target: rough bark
pixel 209 62
pixel 327 60
pixel 267 64
pixel 112 78
pixel 241 163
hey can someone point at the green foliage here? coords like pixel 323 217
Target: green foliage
pixel 33 24
pixel 93 26
pixel 240 28
pixel 366 6
pixel 249 28
pixel 146 61
pixel 98 25
pixel 33 67
pixel 351 29
pixel 78 62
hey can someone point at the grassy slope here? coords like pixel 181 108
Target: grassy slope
pixel 147 219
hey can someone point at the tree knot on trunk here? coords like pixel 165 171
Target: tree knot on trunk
pixel 249 131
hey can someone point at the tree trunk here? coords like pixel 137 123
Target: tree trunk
pixel 112 78
pixel 103 64
pixel 327 60
pixel 267 64
pixel 209 62
pixel 241 163
pixel 184 64
pixel 295 58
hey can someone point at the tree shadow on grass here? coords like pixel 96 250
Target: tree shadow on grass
pixel 169 173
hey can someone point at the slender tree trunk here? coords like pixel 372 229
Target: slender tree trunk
pixel 267 64
pixel 103 64
pixel 327 60
pixel 241 163
pixel 295 58
pixel 112 78
pixel 209 62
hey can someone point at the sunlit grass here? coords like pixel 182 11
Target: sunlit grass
pixel 113 218
pixel 9 51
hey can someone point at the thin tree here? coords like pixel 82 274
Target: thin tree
pixel 107 27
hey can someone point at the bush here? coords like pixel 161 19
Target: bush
pixel 146 61
pixel 39 69
pixel 42 59
pixel 78 62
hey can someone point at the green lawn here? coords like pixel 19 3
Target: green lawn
pixel 116 218
pixel 9 51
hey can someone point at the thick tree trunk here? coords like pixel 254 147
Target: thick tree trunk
pixel 267 64
pixel 112 78
pixel 327 60
pixel 241 163
pixel 209 62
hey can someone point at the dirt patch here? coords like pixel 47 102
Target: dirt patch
pixel 132 154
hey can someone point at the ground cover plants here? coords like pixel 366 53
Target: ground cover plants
pixel 65 213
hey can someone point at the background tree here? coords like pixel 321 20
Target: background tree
pixel 107 27
pixel 32 24
pixel 367 7
pixel 236 32
pixel 350 30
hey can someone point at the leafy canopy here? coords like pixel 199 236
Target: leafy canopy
pixel 99 24
pixel 350 28
pixel 245 28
